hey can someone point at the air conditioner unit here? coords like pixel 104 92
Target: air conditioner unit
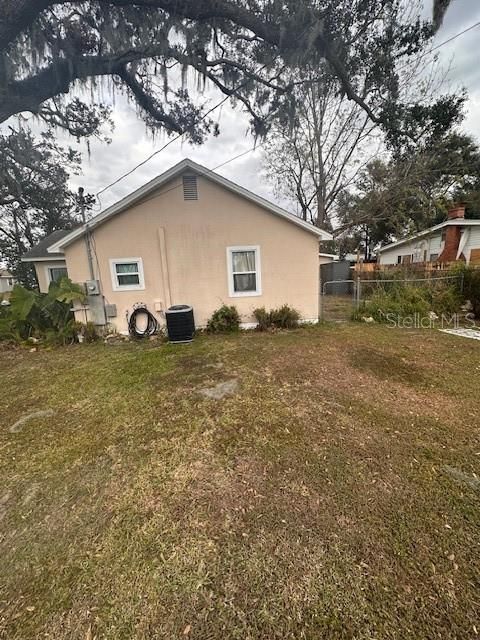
pixel 180 323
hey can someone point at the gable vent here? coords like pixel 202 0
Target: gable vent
pixel 190 188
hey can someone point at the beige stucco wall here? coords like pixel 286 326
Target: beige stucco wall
pixel 41 269
pixel 196 235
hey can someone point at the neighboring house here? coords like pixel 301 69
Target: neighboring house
pixel 6 281
pixel 326 258
pixel 192 237
pixel 49 267
pixel 456 239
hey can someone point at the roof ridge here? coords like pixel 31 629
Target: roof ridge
pixel 136 195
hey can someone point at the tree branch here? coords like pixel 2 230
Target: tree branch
pixel 146 102
pixel 27 94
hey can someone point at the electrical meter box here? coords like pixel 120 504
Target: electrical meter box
pixel 92 287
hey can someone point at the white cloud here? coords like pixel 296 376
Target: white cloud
pixel 132 144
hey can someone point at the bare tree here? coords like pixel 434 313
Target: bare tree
pixel 332 140
pixel 313 161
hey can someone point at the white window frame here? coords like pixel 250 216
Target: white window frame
pixel 126 287
pixel 48 273
pixel 258 271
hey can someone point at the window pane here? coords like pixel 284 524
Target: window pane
pixel 126 267
pixel 57 273
pixel 245 282
pixel 128 279
pixel 243 261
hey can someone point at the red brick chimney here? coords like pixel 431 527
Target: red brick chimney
pixel 458 211
pixel 453 235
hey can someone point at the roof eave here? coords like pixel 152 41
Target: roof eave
pixel 52 258
pixel 459 222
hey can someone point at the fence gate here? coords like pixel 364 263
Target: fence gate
pixel 337 291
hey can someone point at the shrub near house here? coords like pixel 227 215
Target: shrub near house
pixel 41 316
pixel 402 300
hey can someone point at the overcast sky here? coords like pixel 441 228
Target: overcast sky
pixel 131 143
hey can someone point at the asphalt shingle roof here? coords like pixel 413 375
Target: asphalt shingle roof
pixel 40 249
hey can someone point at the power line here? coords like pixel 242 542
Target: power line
pixel 222 164
pixel 222 102
pixel 442 44
pixel 180 135
pixel 167 144
pixel 457 35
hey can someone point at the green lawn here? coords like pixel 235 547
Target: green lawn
pixel 333 496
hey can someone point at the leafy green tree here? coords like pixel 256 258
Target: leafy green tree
pixel 252 51
pixel 35 198
pixel 412 192
pixel 321 153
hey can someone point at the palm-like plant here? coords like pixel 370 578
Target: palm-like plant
pixel 31 313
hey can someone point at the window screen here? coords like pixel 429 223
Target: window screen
pixel 57 273
pixel 127 273
pixel 244 270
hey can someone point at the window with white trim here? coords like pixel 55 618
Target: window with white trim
pixel 55 274
pixel 244 276
pixel 127 274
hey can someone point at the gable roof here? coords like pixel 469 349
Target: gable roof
pixel 456 222
pixel 4 273
pixel 171 173
pixel 40 250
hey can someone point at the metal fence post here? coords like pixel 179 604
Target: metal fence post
pixel 359 292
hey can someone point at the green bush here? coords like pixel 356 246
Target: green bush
pixel 446 300
pixel 224 320
pixel 43 316
pixel 404 300
pixel 263 318
pixel 284 317
pixel 471 288
pixel 87 330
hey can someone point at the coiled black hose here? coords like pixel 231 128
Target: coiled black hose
pixel 151 326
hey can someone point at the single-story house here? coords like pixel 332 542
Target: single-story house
pixel 189 236
pixel 49 267
pixel 456 239
pixel 6 281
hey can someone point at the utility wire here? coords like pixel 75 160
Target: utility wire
pixel 224 100
pixel 442 44
pixel 167 144
pixel 178 136
pixel 457 35
pixel 180 186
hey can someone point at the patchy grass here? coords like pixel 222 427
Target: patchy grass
pixel 333 496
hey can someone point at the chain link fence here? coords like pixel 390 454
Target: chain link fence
pixel 339 299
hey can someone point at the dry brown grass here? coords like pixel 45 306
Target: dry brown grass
pixel 324 500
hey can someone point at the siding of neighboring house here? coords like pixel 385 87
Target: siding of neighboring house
pixel 417 250
pixel 473 242
pixel 326 259
pixel 431 247
pixel 183 246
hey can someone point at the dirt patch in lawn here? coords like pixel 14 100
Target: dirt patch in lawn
pixel 388 366
pixel 334 496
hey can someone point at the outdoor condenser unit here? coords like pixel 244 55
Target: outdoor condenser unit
pixel 180 323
